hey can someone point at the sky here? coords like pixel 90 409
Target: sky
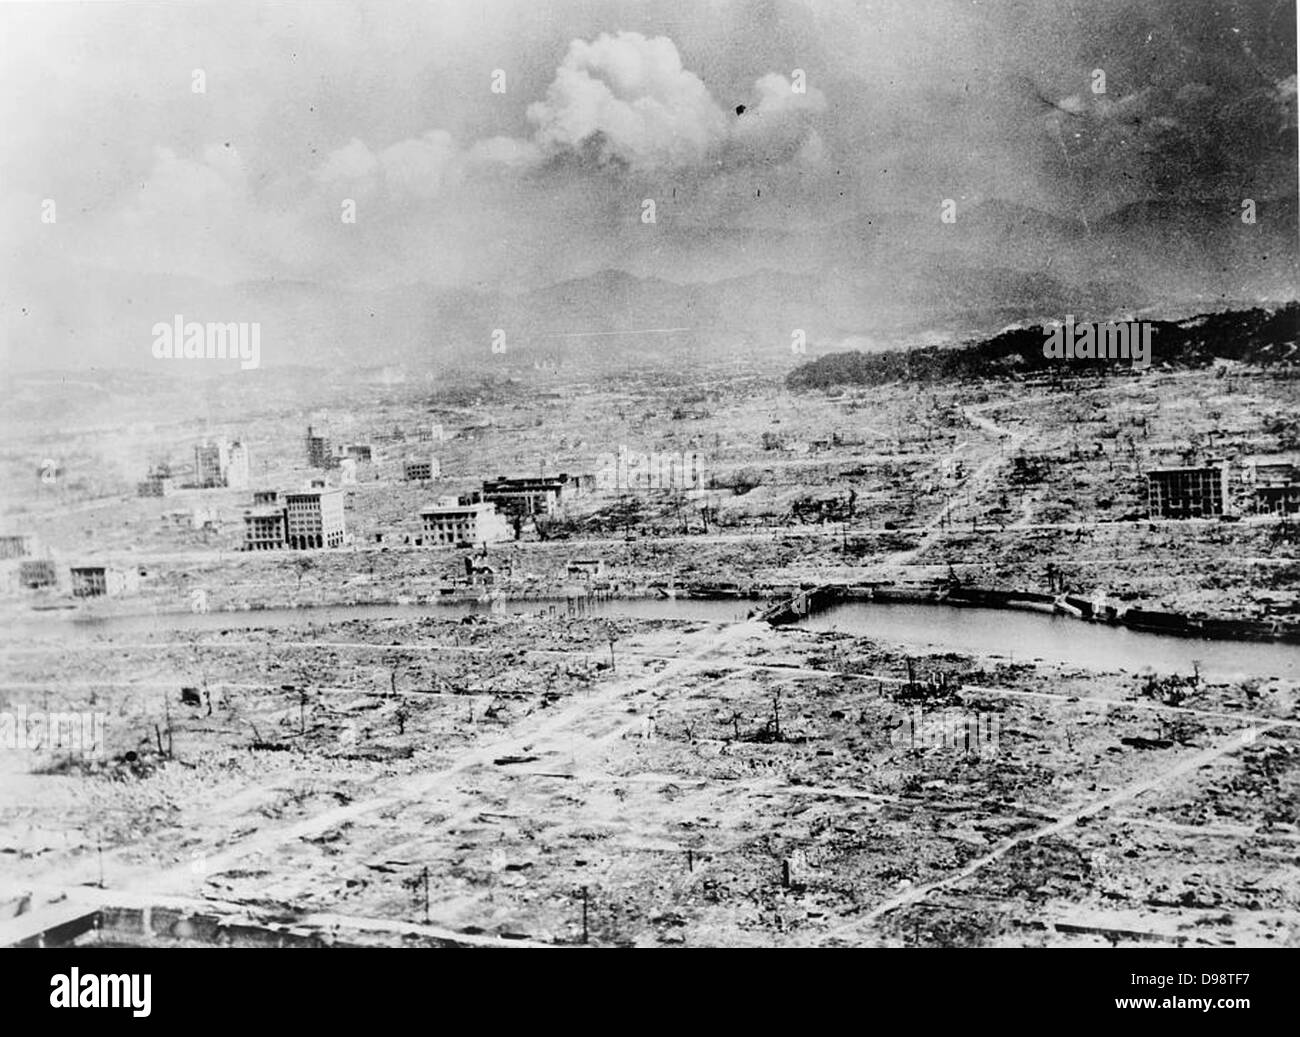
pixel 852 108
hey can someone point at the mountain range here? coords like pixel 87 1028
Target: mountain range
pixel 875 281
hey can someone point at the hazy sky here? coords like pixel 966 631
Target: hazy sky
pixel 390 104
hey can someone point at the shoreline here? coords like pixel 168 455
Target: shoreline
pixel 778 605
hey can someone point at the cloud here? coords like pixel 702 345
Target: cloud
pixel 507 152
pixel 186 215
pixel 626 99
pixel 778 96
pixel 176 186
pixel 779 125
pixel 423 166
pixel 418 167
pixel 618 101
pixel 354 161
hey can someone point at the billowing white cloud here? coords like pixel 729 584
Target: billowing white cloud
pixel 779 125
pixel 778 95
pixel 619 100
pixel 353 161
pixel 627 99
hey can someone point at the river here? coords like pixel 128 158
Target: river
pixel 1016 636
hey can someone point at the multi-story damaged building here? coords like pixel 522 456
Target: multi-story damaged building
pixel 221 463
pixel 299 519
pixel 1188 492
pixel 1274 483
pixel 319 454
pixel 17 545
pixel 159 482
pixel 423 469
pixel 1278 500
pixel 314 517
pixel 237 467
pixel 94 581
pixel 454 523
pixel 210 462
pixel 528 497
pixel 361 453
pixel 264 523
pixel 36 573
pixel 24 564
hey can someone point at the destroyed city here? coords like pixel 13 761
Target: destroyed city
pixel 561 474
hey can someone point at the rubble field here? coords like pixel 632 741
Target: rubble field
pixel 556 778
pixel 1034 486
pixel 716 784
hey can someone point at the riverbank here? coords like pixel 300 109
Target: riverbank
pixel 918 620
pixel 802 602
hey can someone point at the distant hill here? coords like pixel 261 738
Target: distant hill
pixel 1254 336
pixel 883 278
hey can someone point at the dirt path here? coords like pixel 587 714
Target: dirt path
pixel 553 731
pixel 1180 767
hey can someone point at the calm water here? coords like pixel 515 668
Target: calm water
pixel 1018 636
pixel 1025 636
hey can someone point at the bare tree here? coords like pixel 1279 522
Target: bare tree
pixel 398 663
pixel 302 564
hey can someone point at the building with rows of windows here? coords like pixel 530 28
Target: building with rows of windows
pixel 450 523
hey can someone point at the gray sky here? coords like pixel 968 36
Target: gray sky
pixel 390 104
